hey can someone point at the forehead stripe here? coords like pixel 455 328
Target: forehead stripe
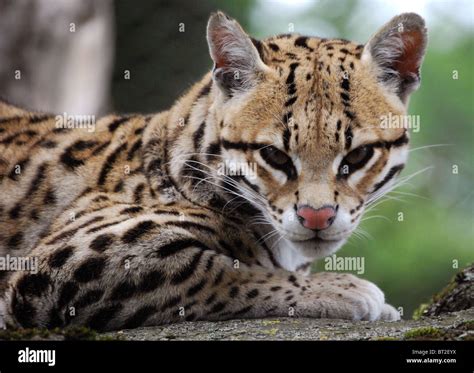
pixel 286 138
pixel 348 136
pixel 290 80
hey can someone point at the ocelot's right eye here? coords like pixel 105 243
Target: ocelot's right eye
pixel 275 157
pixel 279 160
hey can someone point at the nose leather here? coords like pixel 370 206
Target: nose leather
pixel 316 219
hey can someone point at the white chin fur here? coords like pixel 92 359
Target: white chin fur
pixel 298 246
pixel 292 254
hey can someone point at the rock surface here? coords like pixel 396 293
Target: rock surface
pixel 456 325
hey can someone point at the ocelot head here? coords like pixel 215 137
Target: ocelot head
pixel 316 125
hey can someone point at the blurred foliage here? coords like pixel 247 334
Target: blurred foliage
pixel 162 44
pixel 410 259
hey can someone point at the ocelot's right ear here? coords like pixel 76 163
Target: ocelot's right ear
pixel 238 59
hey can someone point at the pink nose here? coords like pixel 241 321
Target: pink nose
pixel 316 219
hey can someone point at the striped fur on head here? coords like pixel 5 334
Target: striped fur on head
pixel 314 101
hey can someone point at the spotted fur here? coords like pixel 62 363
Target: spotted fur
pixel 133 224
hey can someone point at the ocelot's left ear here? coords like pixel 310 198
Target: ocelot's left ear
pixel 238 59
pixel 395 54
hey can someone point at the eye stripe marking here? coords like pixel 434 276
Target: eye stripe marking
pixel 213 151
pixel 393 171
pixel 402 140
pixel 243 146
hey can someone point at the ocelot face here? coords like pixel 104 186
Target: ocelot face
pixel 315 126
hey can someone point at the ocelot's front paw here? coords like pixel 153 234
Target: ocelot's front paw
pixel 346 296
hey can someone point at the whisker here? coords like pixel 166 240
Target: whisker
pixel 227 180
pixel 394 185
pixel 375 217
pixel 220 186
pixel 428 146
pixel 409 194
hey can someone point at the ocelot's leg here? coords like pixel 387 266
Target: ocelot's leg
pixel 109 282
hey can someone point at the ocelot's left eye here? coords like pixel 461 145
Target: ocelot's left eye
pixel 357 155
pixel 274 156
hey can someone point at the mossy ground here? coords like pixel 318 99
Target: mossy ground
pixel 424 333
pixel 462 331
pixel 457 295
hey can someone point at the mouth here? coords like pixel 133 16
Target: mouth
pixel 312 237
pixel 309 246
pixel 342 235
pixel 321 240
pixel 317 247
pixel 297 237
